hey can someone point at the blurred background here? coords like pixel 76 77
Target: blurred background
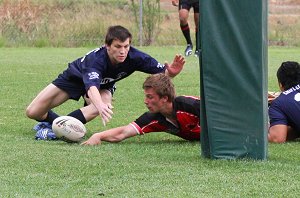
pixel 83 23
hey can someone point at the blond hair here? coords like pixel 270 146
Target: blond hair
pixel 161 84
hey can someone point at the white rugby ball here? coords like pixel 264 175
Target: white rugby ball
pixel 68 129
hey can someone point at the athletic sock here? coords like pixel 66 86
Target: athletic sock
pixel 79 115
pixel 51 116
pixel 186 33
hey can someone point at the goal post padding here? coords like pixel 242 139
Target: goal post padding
pixel 233 78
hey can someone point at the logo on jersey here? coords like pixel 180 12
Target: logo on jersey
pixel 297 87
pixel 93 75
pixel 121 75
pixel 108 80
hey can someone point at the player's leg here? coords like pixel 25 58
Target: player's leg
pixel 40 110
pixel 89 112
pixel 48 98
pixel 184 26
pixel 61 89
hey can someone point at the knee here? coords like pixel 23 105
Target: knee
pixel 30 113
pixel 183 21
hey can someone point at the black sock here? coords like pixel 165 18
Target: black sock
pixel 78 114
pixel 186 33
pixel 51 116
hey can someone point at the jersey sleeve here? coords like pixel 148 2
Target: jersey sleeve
pixel 93 66
pixel 276 115
pixel 147 123
pixel 145 63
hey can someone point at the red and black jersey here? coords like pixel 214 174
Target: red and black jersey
pixel 186 109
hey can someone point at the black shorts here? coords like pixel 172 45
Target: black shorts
pixel 75 87
pixel 187 4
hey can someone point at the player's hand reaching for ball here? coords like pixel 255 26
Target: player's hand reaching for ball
pixel 106 113
pixel 104 109
pixel 93 140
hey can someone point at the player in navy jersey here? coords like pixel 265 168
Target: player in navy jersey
pixel 93 77
pixel 184 7
pixel 178 116
pixel 284 111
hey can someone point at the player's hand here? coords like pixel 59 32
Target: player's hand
pixel 106 113
pixel 272 96
pixel 93 140
pixel 176 67
pixel 175 3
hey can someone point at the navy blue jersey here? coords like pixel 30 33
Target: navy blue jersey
pixel 95 68
pixel 186 110
pixel 285 109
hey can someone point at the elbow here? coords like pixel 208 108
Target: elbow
pixel 31 113
pixel 276 139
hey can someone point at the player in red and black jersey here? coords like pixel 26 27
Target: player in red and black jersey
pixel 179 116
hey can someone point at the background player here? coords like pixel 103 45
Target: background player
pixel 179 116
pixel 184 7
pixel 284 111
pixel 93 77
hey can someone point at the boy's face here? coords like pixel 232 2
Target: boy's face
pixel 153 102
pixel 118 51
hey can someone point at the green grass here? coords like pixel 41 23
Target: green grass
pixel 154 165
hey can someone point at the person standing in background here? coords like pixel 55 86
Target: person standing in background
pixel 184 7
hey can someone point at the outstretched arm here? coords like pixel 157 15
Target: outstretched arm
pixel 112 135
pixel 175 68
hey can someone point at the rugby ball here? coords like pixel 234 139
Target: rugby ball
pixel 69 129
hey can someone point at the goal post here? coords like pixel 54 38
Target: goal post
pixel 233 78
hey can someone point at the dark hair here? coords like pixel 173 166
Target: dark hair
pixel 117 32
pixel 288 74
pixel 161 84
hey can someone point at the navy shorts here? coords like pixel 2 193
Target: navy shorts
pixel 187 4
pixel 75 87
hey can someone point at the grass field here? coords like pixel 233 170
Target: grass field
pixel 154 165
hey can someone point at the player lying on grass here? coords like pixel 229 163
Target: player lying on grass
pixel 94 76
pixel 179 115
pixel 284 110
